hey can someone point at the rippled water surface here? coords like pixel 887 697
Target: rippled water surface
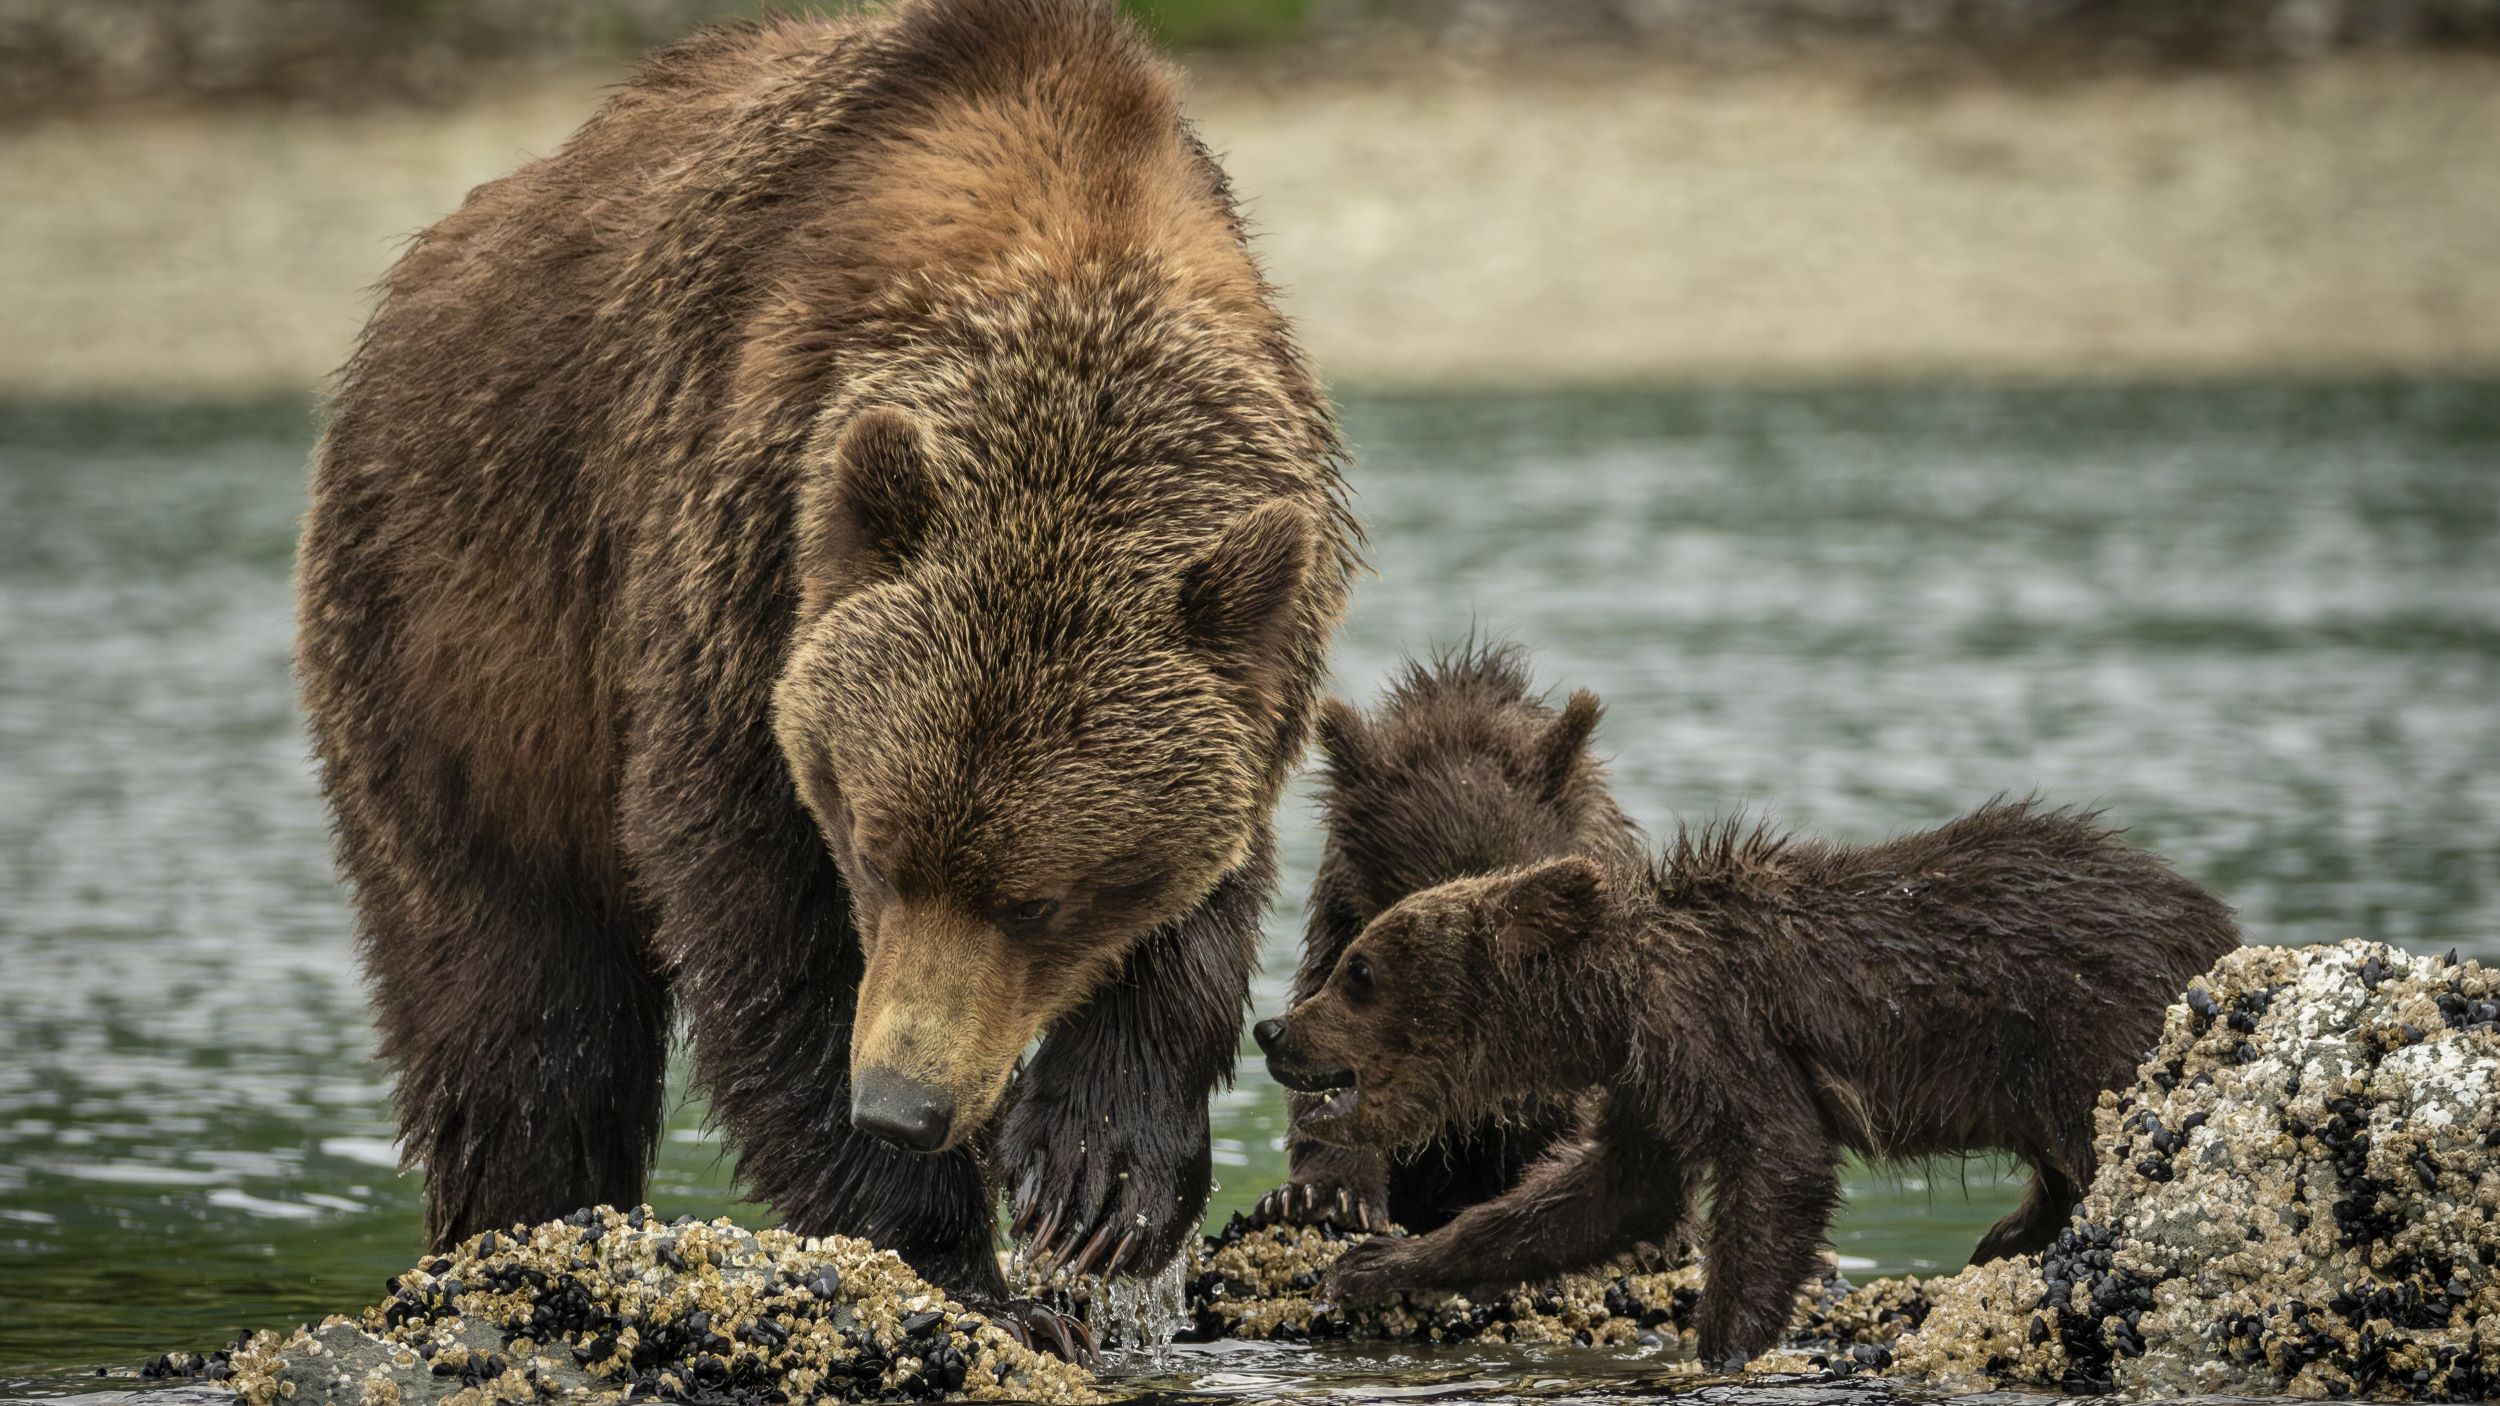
pixel 2261 625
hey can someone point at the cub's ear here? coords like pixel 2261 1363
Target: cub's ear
pixel 1558 751
pixel 860 522
pixel 1345 737
pixel 1549 907
pixel 1237 599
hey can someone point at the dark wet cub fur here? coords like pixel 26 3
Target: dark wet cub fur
pixel 842 551
pixel 1463 770
pixel 1752 1006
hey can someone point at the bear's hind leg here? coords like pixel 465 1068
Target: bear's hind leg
pixel 530 1036
pixel 2032 1226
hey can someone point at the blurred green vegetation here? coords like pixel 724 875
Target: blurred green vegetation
pixel 1221 24
pixel 619 27
pixel 347 52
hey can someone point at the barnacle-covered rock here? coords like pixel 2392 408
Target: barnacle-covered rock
pixel 2300 1194
pixel 1264 1283
pixel 610 1306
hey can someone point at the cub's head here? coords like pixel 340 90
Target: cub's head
pixel 1436 1014
pixel 1462 771
pixel 1027 743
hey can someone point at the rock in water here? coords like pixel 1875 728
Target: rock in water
pixel 2301 1195
pixel 609 1306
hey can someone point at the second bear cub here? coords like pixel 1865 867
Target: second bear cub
pixel 1751 1006
pixel 1461 771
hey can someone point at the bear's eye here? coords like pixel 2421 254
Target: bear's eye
pixel 1358 977
pixel 1025 913
pixel 869 871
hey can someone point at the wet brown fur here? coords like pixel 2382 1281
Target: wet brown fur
pixel 1463 770
pixel 1752 1006
pixel 866 442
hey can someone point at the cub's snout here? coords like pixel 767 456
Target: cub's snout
pixel 1293 1066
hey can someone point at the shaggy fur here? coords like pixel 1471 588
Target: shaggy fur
pixel 843 551
pixel 1462 771
pixel 1752 1006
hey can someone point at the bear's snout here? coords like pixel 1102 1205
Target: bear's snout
pixel 1293 1067
pixel 905 1112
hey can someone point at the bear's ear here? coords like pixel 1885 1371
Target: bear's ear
pixel 1345 737
pixel 1558 751
pixel 859 523
pixel 1237 600
pixel 1549 907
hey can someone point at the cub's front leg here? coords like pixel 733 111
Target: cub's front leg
pixel 1772 1199
pixel 1581 1206
pixel 1340 1186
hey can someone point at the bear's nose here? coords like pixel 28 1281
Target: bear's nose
pixel 905 1112
pixel 1267 1033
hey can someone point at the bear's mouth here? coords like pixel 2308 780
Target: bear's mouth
pixel 1339 1103
pixel 1310 1079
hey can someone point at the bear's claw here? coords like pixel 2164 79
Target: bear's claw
pixel 1045 1329
pixel 1120 1203
pixel 1317 1204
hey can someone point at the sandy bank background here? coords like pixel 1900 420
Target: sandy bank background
pixel 1552 218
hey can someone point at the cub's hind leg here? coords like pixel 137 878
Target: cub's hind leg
pixel 2061 1157
pixel 2032 1226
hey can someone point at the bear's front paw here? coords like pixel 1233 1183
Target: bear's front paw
pixel 1319 1203
pixel 1368 1272
pixel 1099 1196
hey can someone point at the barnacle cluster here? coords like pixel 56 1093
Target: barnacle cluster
pixel 2299 1195
pixel 608 1306
pixel 1265 1283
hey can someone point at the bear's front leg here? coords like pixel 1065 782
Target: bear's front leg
pixel 1105 1139
pixel 1345 1187
pixel 1772 1199
pixel 1582 1205
pixel 755 925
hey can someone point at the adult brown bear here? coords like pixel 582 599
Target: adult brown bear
pixel 842 550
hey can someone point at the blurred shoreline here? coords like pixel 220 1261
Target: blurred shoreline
pixel 1559 219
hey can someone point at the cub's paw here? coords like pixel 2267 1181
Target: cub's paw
pixel 1319 1203
pixel 1369 1272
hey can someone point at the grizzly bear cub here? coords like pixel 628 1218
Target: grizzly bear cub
pixel 1752 1006
pixel 1462 770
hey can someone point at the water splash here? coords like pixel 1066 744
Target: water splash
pixel 1140 1317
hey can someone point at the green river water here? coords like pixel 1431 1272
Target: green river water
pixel 2258 623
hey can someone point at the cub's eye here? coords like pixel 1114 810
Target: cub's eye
pixel 874 875
pixel 1030 912
pixel 1358 977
